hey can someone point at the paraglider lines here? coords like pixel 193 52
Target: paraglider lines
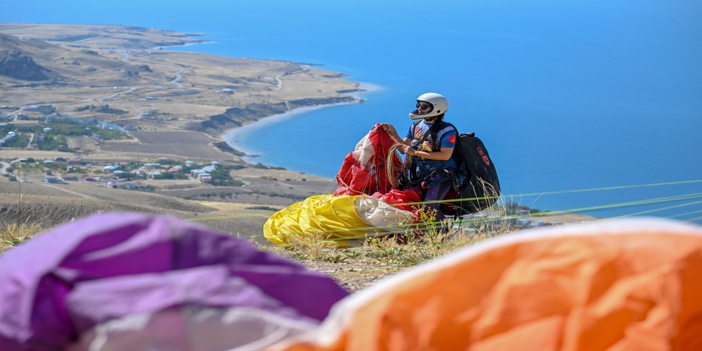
pixel 404 228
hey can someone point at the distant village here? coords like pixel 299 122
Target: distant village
pixel 126 175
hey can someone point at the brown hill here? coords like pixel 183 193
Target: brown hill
pixel 44 206
pixel 47 205
pixel 25 61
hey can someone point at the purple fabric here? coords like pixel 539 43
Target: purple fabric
pixel 112 265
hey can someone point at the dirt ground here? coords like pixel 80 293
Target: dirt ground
pixel 171 150
pixel 354 275
pixel 83 142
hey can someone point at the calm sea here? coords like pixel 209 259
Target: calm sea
pixel 566 94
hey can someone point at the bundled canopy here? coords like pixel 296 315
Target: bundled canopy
pixel 350 213
pixel 335 219
pixel 626 285
pixel 138 282
pixel 364 170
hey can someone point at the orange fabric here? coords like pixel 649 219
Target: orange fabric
pixel 625 289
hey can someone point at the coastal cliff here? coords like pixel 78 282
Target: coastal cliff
pixel 236 117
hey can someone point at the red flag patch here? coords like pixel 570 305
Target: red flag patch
pixel 452 139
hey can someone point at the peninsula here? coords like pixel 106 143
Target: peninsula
pixel 119 76
pixel 101 118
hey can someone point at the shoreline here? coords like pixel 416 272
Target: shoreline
pixel 183 45
pixel 233 136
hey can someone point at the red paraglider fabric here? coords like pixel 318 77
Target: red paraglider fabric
pixel 356 177
pixel 399 197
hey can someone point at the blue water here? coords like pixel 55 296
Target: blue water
pixel 567 94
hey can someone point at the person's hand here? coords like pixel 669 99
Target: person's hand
pixel 408 150
pixel 388 128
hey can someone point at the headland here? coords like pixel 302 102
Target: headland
pixel 95 111
pixel 112 75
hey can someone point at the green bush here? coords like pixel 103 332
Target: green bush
pixel 266 208
pixel 46 109
pixel 262 166
pixel 170 175
pixel 18 141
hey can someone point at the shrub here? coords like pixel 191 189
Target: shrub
pixel 265 208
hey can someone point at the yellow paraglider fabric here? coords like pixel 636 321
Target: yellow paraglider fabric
pixel 323 217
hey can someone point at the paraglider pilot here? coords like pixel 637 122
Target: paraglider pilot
pixel 430 142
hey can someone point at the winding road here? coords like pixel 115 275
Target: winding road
pixel 3 167
pixel 177 76
pixel 280 81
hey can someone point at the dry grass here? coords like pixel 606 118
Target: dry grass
pixel 421 241
pixel 16 233
pixel 311 246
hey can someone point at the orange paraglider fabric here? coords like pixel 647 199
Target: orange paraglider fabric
pixel 613 285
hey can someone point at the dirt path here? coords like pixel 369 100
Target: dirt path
pixel 280 81
pixel 177 76
pixel 68 191
pixel 118 93
pixel 15 114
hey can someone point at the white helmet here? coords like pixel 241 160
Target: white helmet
pixel 438 102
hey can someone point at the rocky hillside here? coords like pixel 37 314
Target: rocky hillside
pixel 33 62
pixel 15 64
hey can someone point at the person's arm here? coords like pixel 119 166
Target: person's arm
pixel 394 136
pixel 441 155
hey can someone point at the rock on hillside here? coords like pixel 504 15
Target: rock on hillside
pixel 15 64
pixel 144 68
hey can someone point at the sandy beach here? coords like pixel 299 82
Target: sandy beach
pixel 233 136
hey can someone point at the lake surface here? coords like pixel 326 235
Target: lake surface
pixel 567 95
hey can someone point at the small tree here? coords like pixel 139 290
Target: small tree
pixel 511 207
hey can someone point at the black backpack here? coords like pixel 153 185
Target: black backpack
pixel 481 188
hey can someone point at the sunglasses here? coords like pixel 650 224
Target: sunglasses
pixel 422 106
